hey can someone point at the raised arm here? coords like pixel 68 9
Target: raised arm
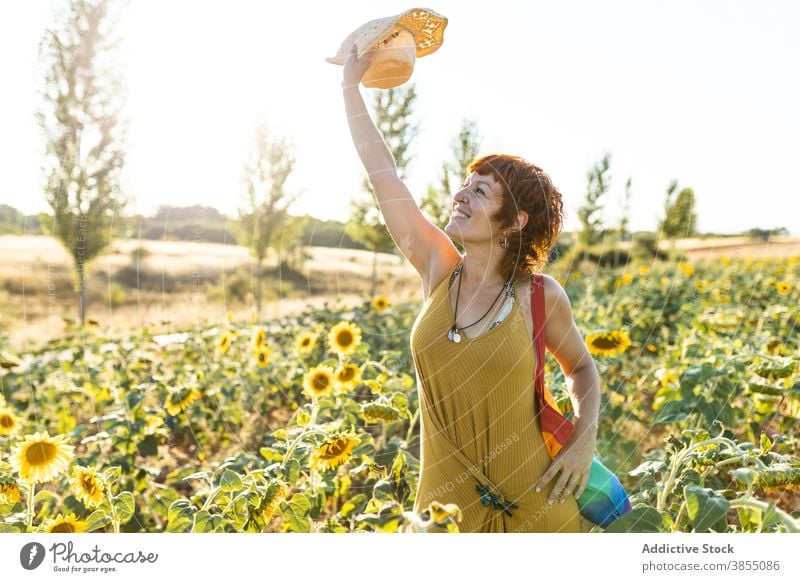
pixel 420 241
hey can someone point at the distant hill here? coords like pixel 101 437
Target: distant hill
pixel 188 223
pixel 12 221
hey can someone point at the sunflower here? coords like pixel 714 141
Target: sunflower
pixel 262 356
pixel 66 524
pixel 181 399
pixel 644 270
pixel 687 269
pixel 9 490
pixel 576 275
pixel 374 413
pixel 627 279
pixel 224 341
pixel 306 342
pixel 608 343
pixel 348 377
pixel 87 486
pixel 652 348
pixel 783 287
pixel 669 378
pixel 259 339
pixel 318 381
pixel 380 303
pixel 725 261
pixel 276 492
pixel 40 457
pixel 344 338
pixel 334 451
pixel 10 423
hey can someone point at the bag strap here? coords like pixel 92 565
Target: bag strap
pixel 556 429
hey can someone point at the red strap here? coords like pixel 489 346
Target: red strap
pixel 551 421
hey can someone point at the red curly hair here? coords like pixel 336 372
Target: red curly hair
pixel 527 187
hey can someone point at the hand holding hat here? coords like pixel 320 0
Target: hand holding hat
pixel 393 43
pixel 355 67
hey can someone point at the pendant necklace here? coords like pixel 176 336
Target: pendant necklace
pixel 453 334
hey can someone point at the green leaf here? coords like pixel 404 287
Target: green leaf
pixel 271 455
pixel 206 475
pixel 770 516
pixel 124 506
pixel 383 491
pixel 230 481
pixel 648 468
pixel 695 375
pixel 765 444
pixel 355 503
pixel 292 471
pixel 640 519
pixel 744 475
pixel 44 496
pixel 148 447
pixel 295 513
pixel 112 474
pixel 180 516
pixel 204 522
pixel 97 520
pixel 673 411
pixel 707 509
pixel 400 401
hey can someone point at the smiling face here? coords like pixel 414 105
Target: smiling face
pixel 480 198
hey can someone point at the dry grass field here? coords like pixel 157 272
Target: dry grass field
pixel 174 285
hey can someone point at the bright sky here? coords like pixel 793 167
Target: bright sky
pixel 702 92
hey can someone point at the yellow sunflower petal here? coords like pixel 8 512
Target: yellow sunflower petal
pixel 87 486
pixel 344 338
pixel 39 457
pixel 318 381
pixel 10 423
pixel 335 451
pixel 66 524
pixel 608 343
pixel 306 342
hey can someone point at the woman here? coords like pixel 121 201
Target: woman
pixel 481 445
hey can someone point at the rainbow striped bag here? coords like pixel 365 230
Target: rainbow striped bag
pixel 604 498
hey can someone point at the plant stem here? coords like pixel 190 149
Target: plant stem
pixel 31 489
pixel 413 422
pixel 679 516
pixel 114 519
pixel 791 523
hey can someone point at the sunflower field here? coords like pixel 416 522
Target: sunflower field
pixel 310 424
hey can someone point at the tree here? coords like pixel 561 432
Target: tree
pixel 598 183
pixel 626 208
pixel 680 219
pixel 392 113
pixel 84 149
pixel 264 219
pixel 622 230
pixel 437 200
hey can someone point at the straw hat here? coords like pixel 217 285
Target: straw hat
pixel 397 41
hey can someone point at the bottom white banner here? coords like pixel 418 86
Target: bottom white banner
pixel 521 556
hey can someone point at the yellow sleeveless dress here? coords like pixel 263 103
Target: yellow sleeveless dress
pixel 481 446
